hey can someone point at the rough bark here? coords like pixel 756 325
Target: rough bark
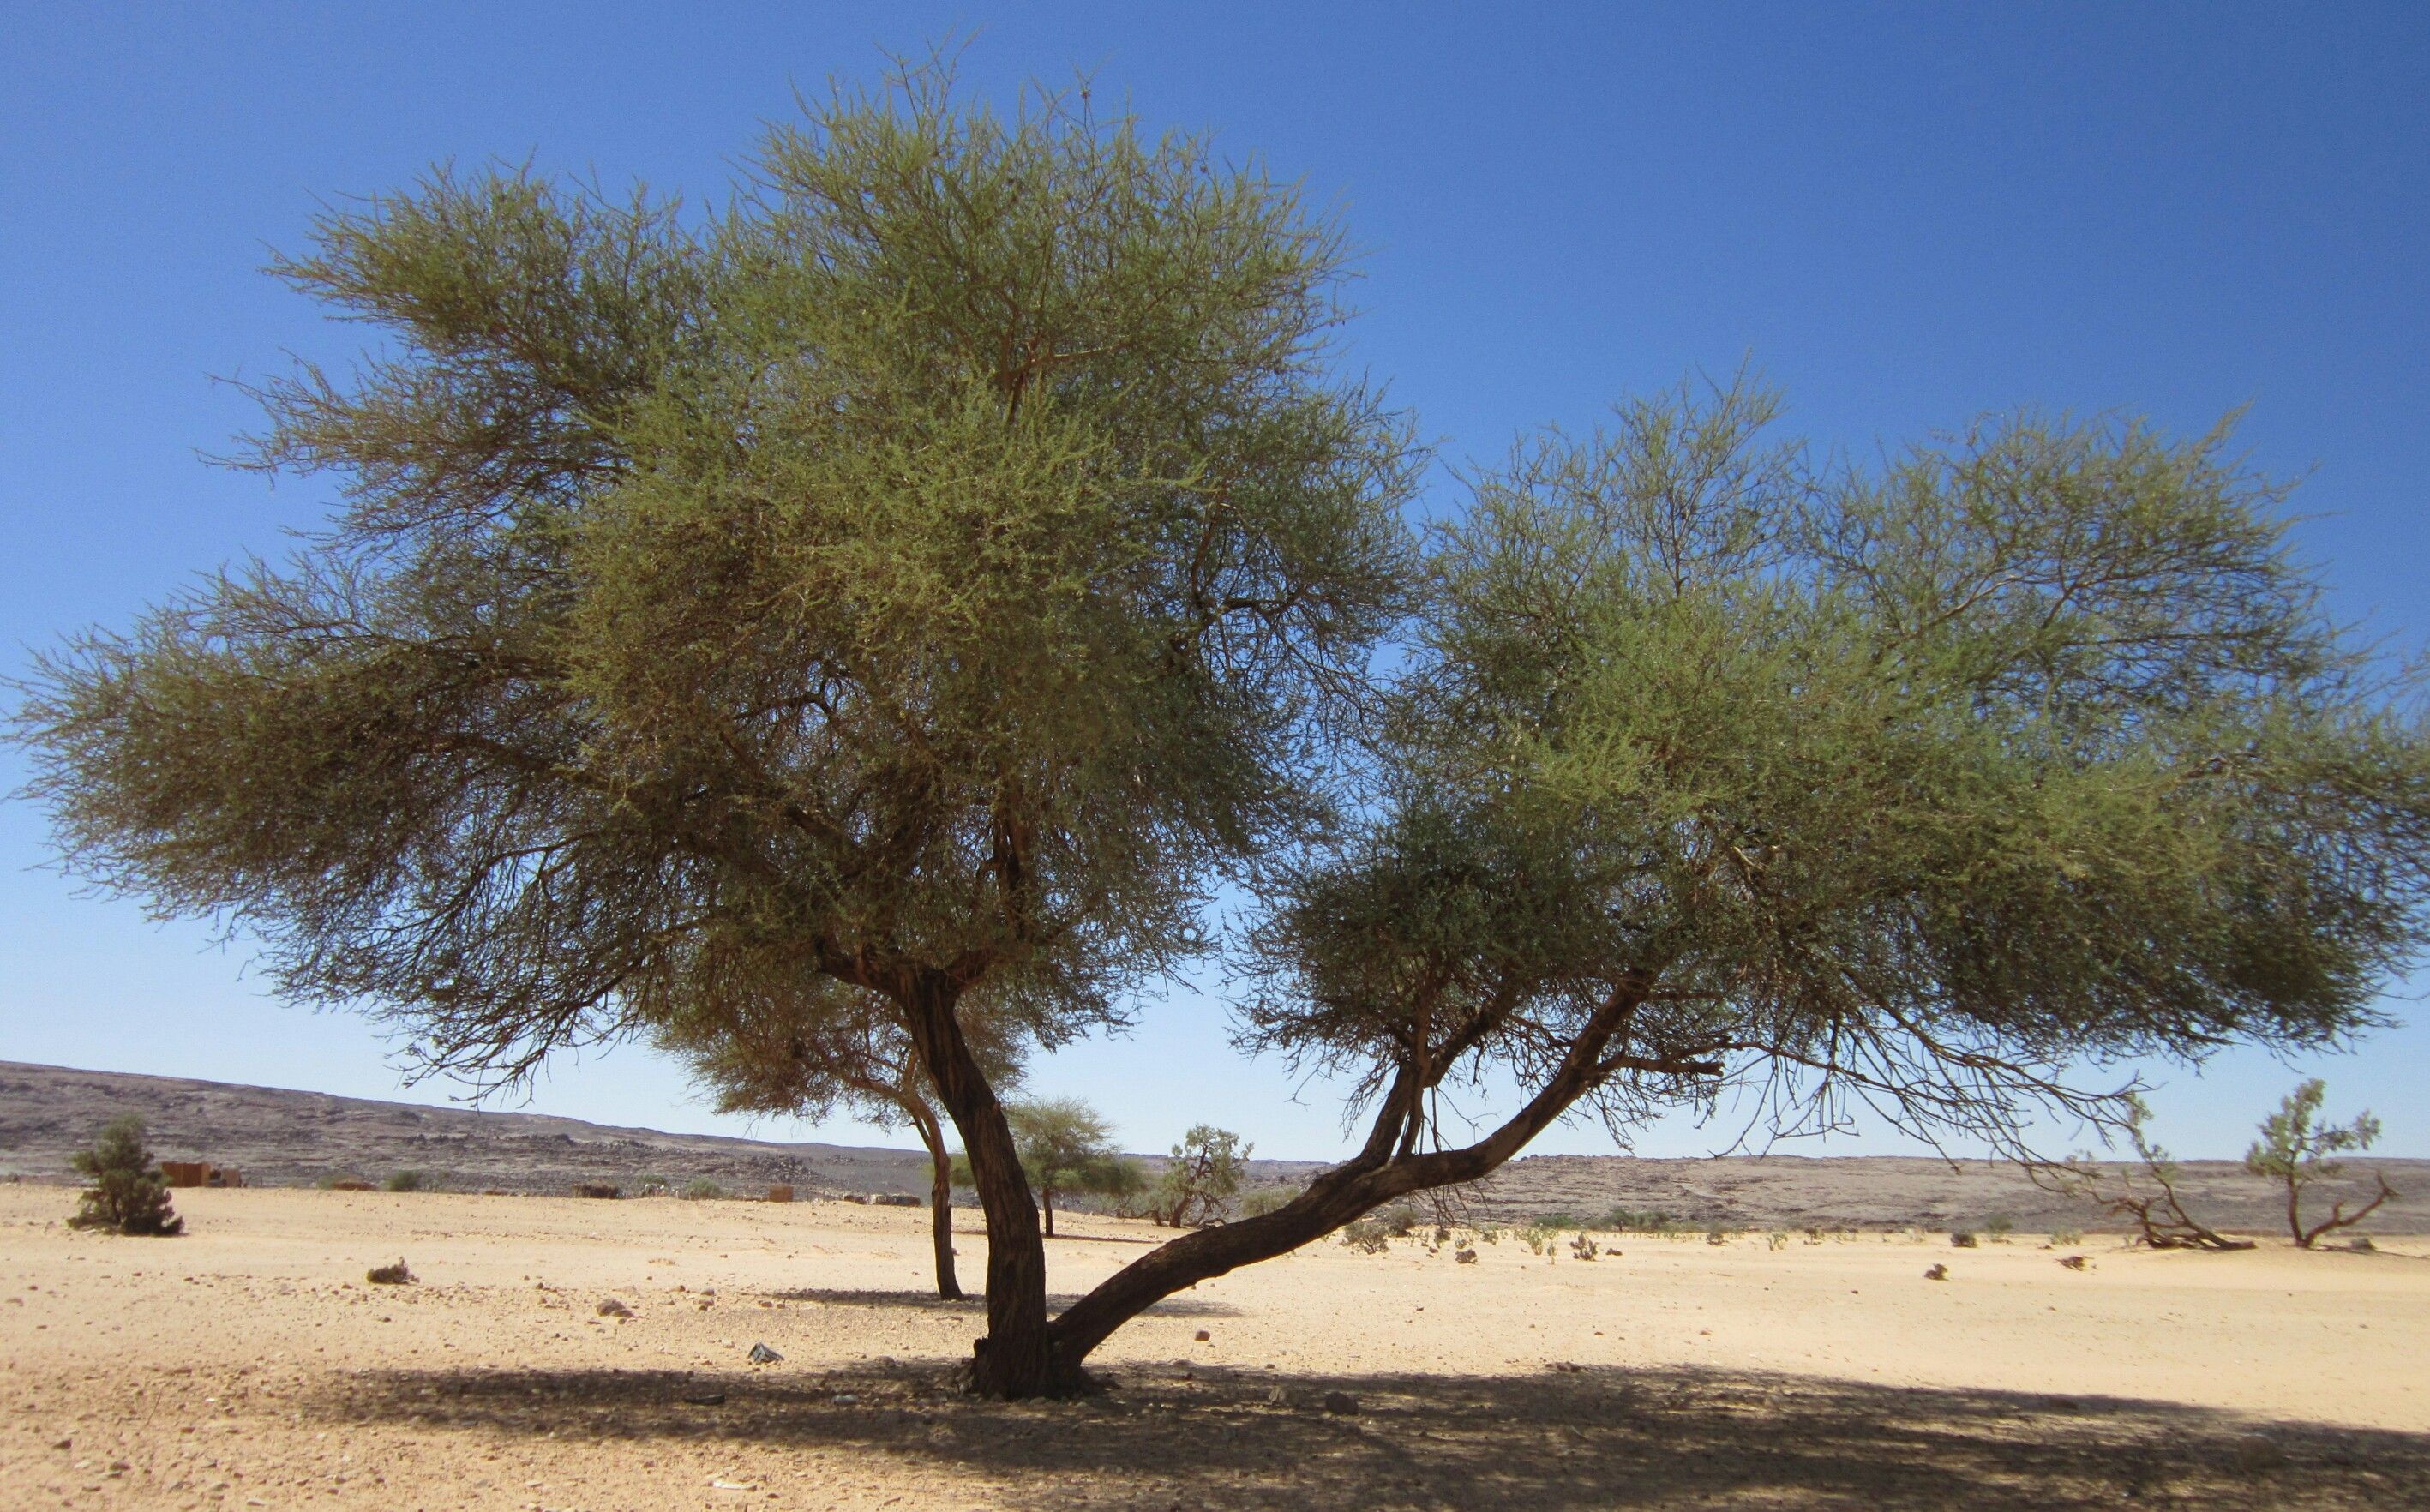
pixel 1017 1357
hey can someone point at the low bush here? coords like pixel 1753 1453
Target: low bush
pixel 1963 1240
pixel 127 1195
pixel 408 1181
pixel 1368 1235
pixel 702 1189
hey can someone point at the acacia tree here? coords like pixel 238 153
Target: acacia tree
pixel 806 1052
pixel 923 575
pixel 1067 1148
pixel 2295 1150
pixel 1719 771
pixel 931 574
pixel 1202 1174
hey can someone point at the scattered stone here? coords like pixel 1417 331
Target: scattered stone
pixel 614 1307
pixel 1341 1404
pixel 893 1199
pixel 390 1276
pixel 1938 1272
pixel 2254 1452
pixel 846 1398
pixel 762 1354
pixel 1203 1335
pixel 1464 1257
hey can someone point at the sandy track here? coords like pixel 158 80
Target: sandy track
pixel 249 1364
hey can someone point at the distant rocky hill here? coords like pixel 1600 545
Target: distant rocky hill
pixel 280 1137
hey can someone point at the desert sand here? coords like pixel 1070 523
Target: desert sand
pixel 250 1365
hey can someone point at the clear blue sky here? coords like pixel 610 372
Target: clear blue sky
pixel 1903 214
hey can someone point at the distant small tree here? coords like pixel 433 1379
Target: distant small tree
pixel 2294 1151
pixel 127 1195
pixel 1204 1174
pixel 2144 1195
pixel 1067 1149
pixel 811 1050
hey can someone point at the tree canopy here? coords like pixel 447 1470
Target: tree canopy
pixel 901 596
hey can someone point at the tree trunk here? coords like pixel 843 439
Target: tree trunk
pixel 1382 1171
pixel 1047 1198
pixel 941 1201
pixel 1017 1358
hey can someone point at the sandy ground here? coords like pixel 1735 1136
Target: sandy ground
pixel 249 1364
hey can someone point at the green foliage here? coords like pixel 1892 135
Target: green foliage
pixel 910 590
pixel 1963 1238
pixel 935 559
pixel 1538 1235
pixel 127 1195
pixel 408 1181
pixel 1067 1150
pixel 702 1189
pixel 1999 1227
pixel 1202 1173
pixel 2296 1150
pixel 1368 1235
pixel 652 1186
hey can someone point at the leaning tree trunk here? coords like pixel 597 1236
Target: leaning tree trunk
pixel 1017 1358
pixel 1386 1168
pixel 1047 1199
pixel 940 1200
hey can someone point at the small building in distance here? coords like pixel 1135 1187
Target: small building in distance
pixel 199 1173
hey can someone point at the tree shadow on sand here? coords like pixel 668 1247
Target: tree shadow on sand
pixel 930 1302
pixel 1197 1438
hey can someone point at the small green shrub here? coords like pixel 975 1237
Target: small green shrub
pixel 1716 1237
pixel 1368 1235
pixel 127 1195
pixel 1537 1235
pixel 1963 1240
pixel 1777 1240
pixel 2066 1236
pixel 1583 1246
pixel 1489 1233
pixel 702 1189
pixel 652 1186
pixel 407 1181
pixel 1999 1227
